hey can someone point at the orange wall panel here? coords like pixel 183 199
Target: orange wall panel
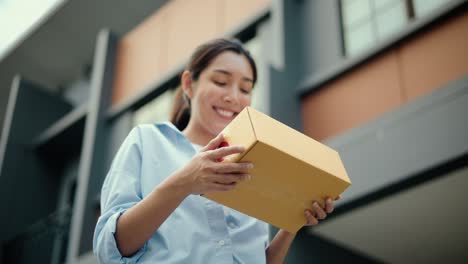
pixel 140 58
pixel 435 58
pixel 168 37
pixel 235 11
pixel 191 22
pixel 355 98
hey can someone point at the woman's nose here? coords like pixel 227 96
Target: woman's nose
pixel 231 97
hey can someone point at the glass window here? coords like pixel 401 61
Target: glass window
pixel 158 110
pixel 368 22
pixel 384 4
pixel 360 38
pixel 259 93
pixel 355 11
pixel 391 20
pixel 425 7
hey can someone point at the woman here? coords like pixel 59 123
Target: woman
pixel 151 207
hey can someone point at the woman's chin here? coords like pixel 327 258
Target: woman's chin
pixel 219 127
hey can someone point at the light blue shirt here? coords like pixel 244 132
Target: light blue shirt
pixel 198 231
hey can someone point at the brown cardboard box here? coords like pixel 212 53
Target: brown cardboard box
pixel 290 171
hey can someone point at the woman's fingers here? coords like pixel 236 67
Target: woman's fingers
pixel 222 152
pixel 221 187
pixel 214 143
pixel 230 178
pixel 311 220
pixel 227 182
pixel 329 205
pixel 241 167
pixel 319 212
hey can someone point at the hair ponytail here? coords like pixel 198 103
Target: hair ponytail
pixel 180 113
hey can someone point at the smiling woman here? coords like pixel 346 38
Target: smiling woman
pixel 218 85
pixel 234 67
pixel 151 207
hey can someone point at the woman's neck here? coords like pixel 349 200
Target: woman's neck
pixel 196 134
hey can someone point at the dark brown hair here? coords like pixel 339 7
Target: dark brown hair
pixel 199 61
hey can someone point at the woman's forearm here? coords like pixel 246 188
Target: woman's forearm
pixel 279 246
pixel 139 223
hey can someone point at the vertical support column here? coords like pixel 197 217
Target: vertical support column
pixel 91 171
pixel 283 73
pixel 320 35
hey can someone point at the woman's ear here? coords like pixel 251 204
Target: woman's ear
pixel 187 83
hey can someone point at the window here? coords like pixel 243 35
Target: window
pixel 260 91
pixel 158 110
pixel 368 22
pixel 425 7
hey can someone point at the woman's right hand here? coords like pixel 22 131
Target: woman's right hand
pixel 204 173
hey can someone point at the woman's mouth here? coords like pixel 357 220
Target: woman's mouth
pixel 226 114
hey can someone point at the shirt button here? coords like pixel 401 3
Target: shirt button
pixel 232 225
pixel 221 242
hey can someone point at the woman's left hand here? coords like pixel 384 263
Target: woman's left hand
pixel 320 212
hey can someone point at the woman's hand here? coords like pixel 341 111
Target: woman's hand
pixel 320 212
pixel 204 173
pixel 279 246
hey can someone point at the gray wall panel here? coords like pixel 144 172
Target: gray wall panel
pixel 28 182
pixel 91 169
pixel 284 72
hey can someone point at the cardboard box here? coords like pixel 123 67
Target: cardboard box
pixel 290 171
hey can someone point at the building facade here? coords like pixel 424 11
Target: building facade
pixel 383 82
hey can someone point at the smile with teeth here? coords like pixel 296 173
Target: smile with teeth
pixel 224 113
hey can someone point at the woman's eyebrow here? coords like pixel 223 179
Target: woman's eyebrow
pixel 230 74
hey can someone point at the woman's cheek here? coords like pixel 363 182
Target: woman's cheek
pixel 247 100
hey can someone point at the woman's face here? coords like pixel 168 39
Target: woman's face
pixel 221 92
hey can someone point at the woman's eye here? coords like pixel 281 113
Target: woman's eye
pixel 219 83
pixel 245 91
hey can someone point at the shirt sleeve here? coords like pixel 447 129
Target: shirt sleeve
pixel 121 190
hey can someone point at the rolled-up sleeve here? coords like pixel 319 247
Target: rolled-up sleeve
pixel 121 190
